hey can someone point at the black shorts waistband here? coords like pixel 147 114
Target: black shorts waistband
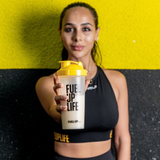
pixel 106 156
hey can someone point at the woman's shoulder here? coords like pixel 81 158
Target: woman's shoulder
pixel 115 77
pixel 117 81
pixel 45 81
pixel 114 74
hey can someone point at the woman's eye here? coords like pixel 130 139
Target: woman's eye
pixel 86 29
pixel 68 29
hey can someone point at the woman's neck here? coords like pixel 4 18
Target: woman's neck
pixel 88 64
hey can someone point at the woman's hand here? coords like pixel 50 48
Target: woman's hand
pixel 48 94
pixel 58 98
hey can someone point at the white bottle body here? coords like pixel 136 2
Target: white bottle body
pixel 74 88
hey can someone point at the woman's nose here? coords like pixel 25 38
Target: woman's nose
pixel 77 36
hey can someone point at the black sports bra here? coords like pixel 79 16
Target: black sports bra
pixel 101 113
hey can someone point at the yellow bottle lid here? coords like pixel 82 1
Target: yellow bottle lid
pixel 71 68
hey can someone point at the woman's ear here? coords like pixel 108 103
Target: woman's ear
pixel 60 34
pixel 97 34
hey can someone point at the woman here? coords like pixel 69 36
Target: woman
pixel 106 97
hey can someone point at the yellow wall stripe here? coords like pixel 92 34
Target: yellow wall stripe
pixel 129 36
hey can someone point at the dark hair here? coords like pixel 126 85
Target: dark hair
pixel 94 52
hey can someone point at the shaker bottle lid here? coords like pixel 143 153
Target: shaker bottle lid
pixel 71 68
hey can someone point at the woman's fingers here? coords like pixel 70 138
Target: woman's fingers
pixel 56 87
pixel 55 77
pixel 60 98
pixel 86 84
pixel 60 108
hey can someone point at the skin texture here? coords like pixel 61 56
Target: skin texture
pixel 78 34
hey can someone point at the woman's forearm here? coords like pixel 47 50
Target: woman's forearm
pixel 123 149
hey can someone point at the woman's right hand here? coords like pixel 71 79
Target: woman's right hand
pixel 58 98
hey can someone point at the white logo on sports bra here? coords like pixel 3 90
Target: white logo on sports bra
pixel 92 87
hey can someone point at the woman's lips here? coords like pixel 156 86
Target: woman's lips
pixel 77 48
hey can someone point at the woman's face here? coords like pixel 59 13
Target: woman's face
pixel 78 32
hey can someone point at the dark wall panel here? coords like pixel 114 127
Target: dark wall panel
pixel 26 131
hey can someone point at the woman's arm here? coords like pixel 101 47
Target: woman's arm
pixel 47 92
pixel 122 137
pixel 47 89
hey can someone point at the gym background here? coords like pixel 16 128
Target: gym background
pixel 30 48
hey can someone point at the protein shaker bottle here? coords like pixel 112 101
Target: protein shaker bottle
pixel 72 75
